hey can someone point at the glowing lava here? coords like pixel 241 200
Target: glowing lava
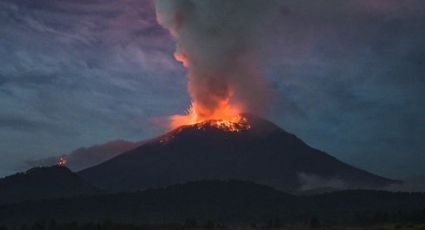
pixel 211 103
pixel 237 124
pixel 223 116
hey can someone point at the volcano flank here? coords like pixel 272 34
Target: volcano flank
pixel 259 151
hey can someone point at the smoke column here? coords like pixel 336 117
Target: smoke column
pixel 219 43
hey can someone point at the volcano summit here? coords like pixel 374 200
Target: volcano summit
pixel 258 151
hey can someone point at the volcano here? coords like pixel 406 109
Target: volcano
pixel 258 151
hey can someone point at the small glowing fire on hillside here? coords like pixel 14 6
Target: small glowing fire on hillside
pixel 62 161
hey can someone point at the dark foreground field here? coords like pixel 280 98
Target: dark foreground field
pixel 228 203
pixel 223 202
pixel 190 225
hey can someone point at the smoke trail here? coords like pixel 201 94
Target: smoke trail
pixel 219 42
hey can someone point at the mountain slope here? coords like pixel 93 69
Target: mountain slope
pixel 263 154
pixel 411 184
pixel 43 183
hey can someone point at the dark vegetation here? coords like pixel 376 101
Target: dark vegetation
pixel 231 203
pixel 194 225
pixel 43 183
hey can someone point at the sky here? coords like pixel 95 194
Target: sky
pixel 347 77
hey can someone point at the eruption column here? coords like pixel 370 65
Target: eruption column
pixel 218 42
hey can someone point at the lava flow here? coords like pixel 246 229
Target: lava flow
pixel 237 124
pixel 224 117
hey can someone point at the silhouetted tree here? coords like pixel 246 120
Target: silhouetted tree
pixel 190 223
pixel 276 223
pixel 24 227
pixel 314 223
pixel 52 225
pixel 273 223
pixel 209 224
pixel 40 225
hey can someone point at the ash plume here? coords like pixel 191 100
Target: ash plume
pixel 220 44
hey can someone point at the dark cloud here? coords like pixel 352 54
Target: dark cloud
pixel 355 68
pixel 219 41
pixel 75 73
pixel 19 124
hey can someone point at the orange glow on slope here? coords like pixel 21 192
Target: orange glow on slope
pixel 224 116
pixel 62 161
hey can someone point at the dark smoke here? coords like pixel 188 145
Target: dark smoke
pixel 222 43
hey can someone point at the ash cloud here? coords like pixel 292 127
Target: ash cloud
pixel 220 43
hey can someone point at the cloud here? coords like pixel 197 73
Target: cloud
pixel 354 71
pixel 76 73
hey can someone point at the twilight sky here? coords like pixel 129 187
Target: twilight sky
pixel 347 77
